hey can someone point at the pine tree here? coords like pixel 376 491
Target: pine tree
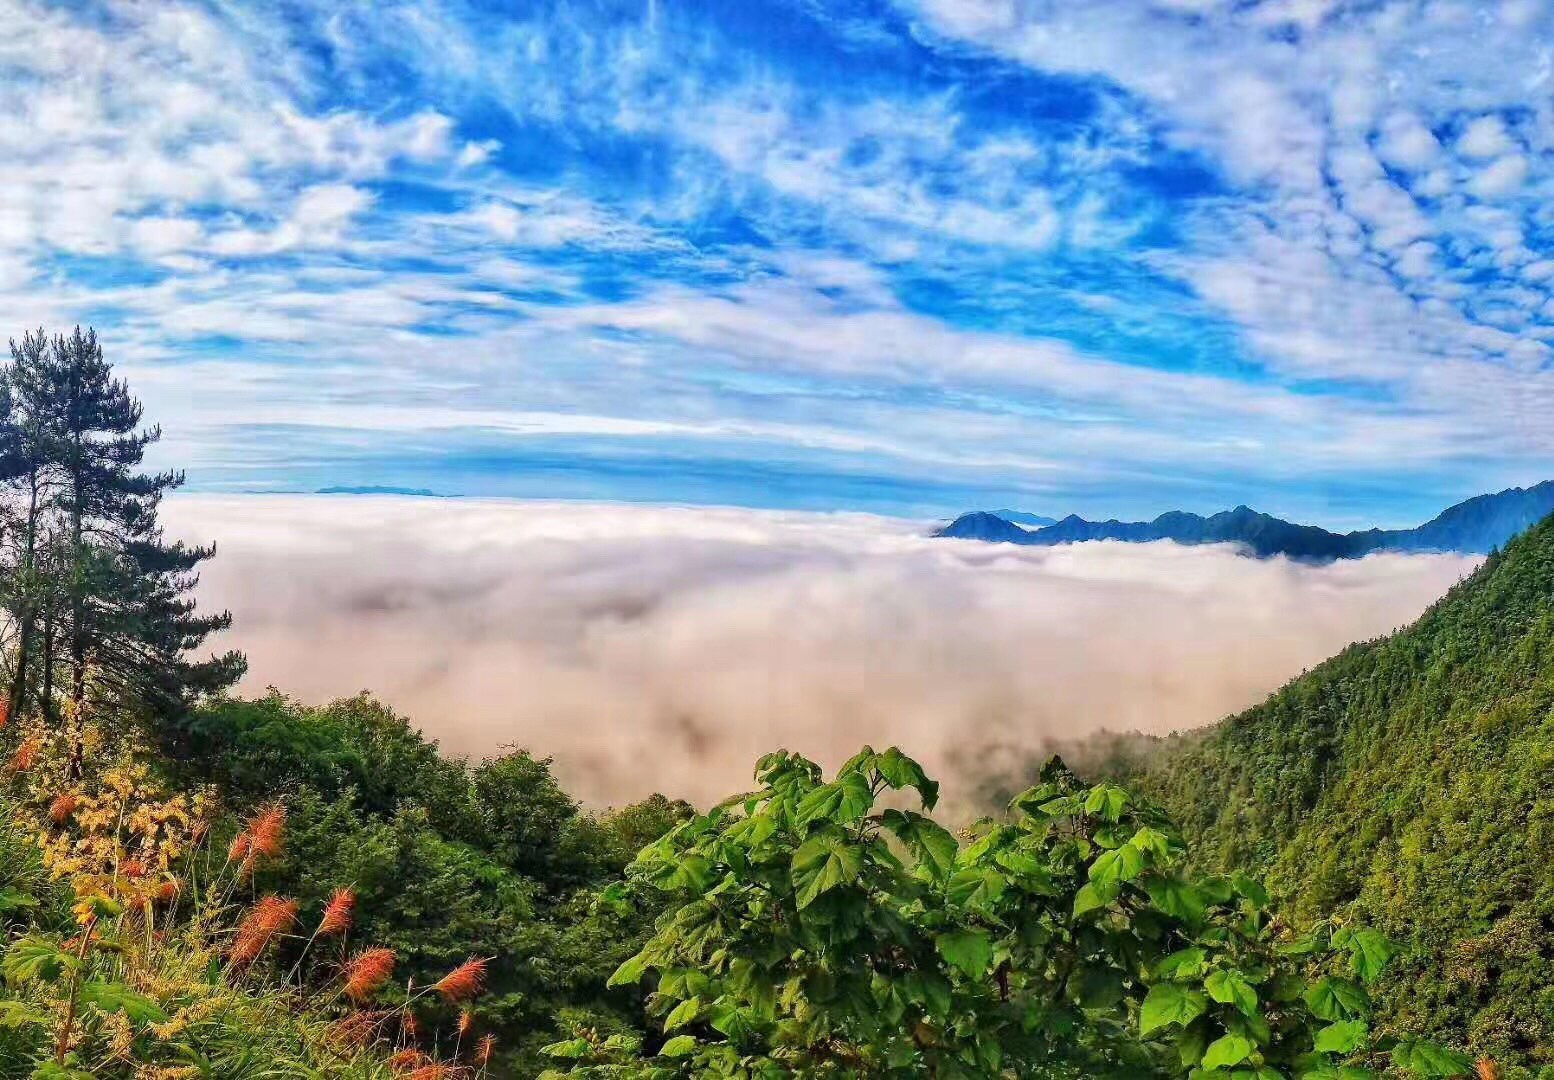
pixel 92 567
pixel 28 411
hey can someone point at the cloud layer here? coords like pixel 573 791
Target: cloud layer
pixel 664 649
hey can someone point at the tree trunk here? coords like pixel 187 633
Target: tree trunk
pixel 46 691
pixel 77 620
pixel 17 697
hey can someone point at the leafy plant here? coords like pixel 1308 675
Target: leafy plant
pixel 818 928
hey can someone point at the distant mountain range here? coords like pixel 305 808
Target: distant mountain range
pixel 378 489
pixel 1478 525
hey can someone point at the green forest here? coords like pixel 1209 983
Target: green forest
pixel 1349 881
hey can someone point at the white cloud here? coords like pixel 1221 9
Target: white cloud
pixel 477 152
pixel 1504 177
pixel 1407 143
pixel 1485 138
pixel 665 649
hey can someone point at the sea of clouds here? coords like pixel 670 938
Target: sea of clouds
pixel 664 648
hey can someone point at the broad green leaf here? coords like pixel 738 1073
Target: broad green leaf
pixel 971 951
pixel 1107 801
pixel 678 1046
pixel 118 998
pixel 629 973
pixel 859 762
pixel 689 872
pixel 932 845
pixel 1423 1058
pixel 1115 867
pixel 1337 999
pixel 1176 897
pixel 900 771
pixel 1093 897
pixel 1251 890
pixel 33 958
pixel 1231 988
pixel 568 1048
pixel 684 1013
pixel 53 1070
pixel 1190 1044
pixel 844 801
pixel 823 862
pixel 1168 1003
pixel 1344 1037
pixel 1152 842
pixel 1369 953
pixel 1321 1069
pixel 1303 946
pixel 15 1014
pixel 1182 964
pixel 1227 1050
pixel 976 887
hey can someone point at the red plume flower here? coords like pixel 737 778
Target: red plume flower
pixel 484 1051
pixel 337 913
pixel 26 755
pixel 466 1021
pixel 269 918
pixel 432 1072
pixel 62 807
pixel 355 1030
pixel 367 972
pixel 238 852
pixel 464 981
pixel 267 831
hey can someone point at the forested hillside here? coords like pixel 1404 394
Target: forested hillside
pixel 1411 781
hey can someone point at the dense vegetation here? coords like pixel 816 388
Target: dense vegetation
pixel 1411 782
pixel 194 884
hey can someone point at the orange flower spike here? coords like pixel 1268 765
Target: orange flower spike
pixel 268 831
pixel 466 1021
pixel 26 755
pixel 464 981
pixel 241 845
pixel 5 712
pixel 403 1061
pixel 484 1051
pixel 410 1026
pixel 337 913
pixel 432 1072
pixel 132 868
pixel 62 807
pixel 269 918
pixel 355 1030
pixel 168 891
pixel 367 972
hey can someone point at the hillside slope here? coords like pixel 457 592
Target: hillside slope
pixel 1411 779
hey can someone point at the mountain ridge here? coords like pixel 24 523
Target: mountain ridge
pixel 1474 526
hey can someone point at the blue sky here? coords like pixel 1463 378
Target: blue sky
pixel 909 256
